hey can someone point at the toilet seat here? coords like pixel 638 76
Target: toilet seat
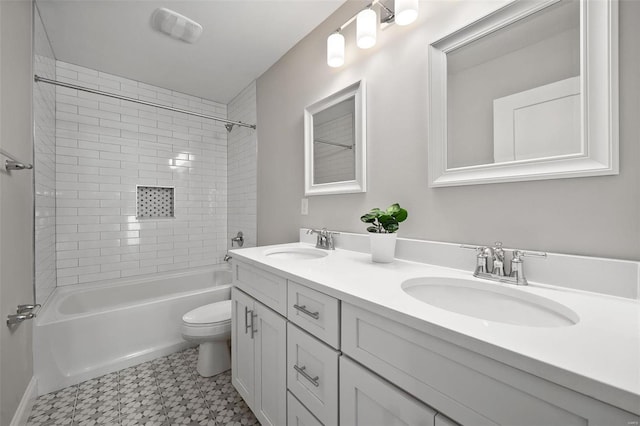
pixel 218 313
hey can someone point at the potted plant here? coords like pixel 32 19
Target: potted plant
pixel 382 231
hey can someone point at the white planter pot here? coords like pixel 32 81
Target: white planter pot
pixel 383 247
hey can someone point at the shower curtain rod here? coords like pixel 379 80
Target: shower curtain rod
pixel 229 123
pixel 333 143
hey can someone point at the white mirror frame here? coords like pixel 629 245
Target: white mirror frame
pixel 356 90
pixel 599 86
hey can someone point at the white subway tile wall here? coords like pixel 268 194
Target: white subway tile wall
pixel 242 166
pixel 105 148
pixel 44 153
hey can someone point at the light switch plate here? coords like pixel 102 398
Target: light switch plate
pixel 304 206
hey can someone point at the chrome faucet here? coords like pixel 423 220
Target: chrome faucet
pixel 325 238
pixel 490 263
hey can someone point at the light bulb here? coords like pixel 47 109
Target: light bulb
pixel 366 26
pixel 406 11
pixel 335 50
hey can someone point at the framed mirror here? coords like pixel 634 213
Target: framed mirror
pixel 335 143
pixel 528 92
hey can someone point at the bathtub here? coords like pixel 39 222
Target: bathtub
pixel 85 331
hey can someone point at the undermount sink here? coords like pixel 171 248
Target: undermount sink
pixel 296 253
pixel 490 302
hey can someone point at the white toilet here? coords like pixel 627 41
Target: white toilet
pixel 210 326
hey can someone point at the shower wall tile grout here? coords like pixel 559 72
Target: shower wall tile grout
pixel 105 147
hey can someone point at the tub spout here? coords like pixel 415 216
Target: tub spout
pixel 227 258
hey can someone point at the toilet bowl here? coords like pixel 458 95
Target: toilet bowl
pixel 210 326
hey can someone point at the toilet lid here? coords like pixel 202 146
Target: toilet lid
pixel 212 313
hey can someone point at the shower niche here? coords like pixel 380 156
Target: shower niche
pixel 155 202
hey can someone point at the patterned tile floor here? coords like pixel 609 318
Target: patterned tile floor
pixel 167 391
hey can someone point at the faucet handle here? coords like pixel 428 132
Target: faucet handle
pixel 522 253
pixel 517 264
pixel 330 241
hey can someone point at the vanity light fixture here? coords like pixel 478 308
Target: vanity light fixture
pixel 366 28
pixel 335 50
pixel 367 23
pixel 406 11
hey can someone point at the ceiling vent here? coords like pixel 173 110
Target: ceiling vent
pixel 175 25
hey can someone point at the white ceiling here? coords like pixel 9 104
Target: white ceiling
pixel 240 41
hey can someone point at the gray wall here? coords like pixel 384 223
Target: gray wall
pixel 597 216
pixel 16 202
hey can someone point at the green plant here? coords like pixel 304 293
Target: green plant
pixel 385 221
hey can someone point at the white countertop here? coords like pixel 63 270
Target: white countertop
pixel 599 356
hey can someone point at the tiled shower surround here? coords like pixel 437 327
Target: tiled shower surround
pixel 44 131
pixel 104 149
pixel 241 162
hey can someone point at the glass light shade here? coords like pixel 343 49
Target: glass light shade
pixel 406 11
pixel 366 27
pixel 335 50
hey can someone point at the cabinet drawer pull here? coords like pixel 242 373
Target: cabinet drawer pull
pixel 303 309
pixel 301 370
pixel 248 326
pixel 253 329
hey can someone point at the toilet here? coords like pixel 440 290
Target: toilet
pixel 210 326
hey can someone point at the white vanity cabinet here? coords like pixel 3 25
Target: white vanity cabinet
pixel 304 357
pixel 258 359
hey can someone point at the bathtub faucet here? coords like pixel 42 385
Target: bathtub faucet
pixel 227 258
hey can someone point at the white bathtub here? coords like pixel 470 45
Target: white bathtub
pixel 87 331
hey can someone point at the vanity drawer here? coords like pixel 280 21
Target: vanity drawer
pixel 268 288
pixel 315 312
pixel 297 414
pixel 312 374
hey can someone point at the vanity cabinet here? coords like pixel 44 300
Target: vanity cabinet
pixel 259 358
pixel 303 357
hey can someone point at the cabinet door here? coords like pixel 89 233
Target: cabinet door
pixel 368 400
pixel 270 345
pixel 242 351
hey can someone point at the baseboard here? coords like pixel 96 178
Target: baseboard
pixel 26 404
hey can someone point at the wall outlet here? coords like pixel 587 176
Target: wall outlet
pixel 304 207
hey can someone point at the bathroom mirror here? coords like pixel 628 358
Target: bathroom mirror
pixel 528 92
pixel 335 143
